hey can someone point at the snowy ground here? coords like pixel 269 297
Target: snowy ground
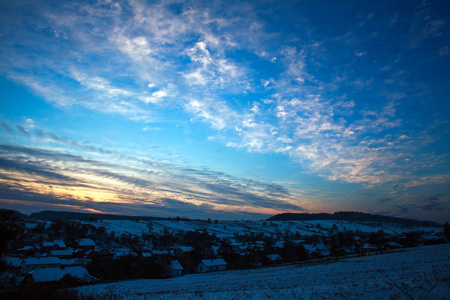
pixel 227 229
pixel 417 273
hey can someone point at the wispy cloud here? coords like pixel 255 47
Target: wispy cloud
pixel 76 181
pixel 6 127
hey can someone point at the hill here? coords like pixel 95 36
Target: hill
pixel 351 216
pixel 48 215
pixel 416 273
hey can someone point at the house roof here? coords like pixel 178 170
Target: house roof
pixel 70 261
pixel 176 266
pixel 62 252
pixel 274 257
pixel 160 252
pixel 86 242
pixel 56 274
pixel 26 248
pixel 187 248
pixel 214 262
pixel 42 261
pixel 60 243
pixel 47 275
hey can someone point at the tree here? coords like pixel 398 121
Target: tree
pixel 11 228
pixel 447 231
pixel 150 227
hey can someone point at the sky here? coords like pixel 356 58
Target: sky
pixel 225 109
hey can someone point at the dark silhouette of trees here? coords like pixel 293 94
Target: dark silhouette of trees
pixel 12 228
pixel 447 231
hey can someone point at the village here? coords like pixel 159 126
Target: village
pixel 66 253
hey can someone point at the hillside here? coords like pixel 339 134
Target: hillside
pixel 351 216
pixel 417 273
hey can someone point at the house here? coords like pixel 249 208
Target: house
pixel 392 245
pixel 146 254
pixel 27 251
pixel 211 265
pixel 62 253
pixel 182 250
pixel 60 244
pixel 123 252
pixel 33 263
pixel 47 246
pixel 86 244
pixel 67 276
pixel 54 245
pixel 175 268
pixel 368 247
pixel 160 254
pixel 273 258
pixel 317 251
pixel 98 254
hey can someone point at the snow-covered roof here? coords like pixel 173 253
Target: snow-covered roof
pixel 56 274
pixel 67 252
pixel 48 244
pixel 309 248
pixel 393 244
pixel 47 275
pixel 369 246
pixel 69 261
pixel 119 252
pixel 321 247
pixel 86 243
pixel 146 254
pixel 42 261
pixel 274 257
pixel 77 272
pixel 214 262
pixel 160 252
pixel 26 248
pixel 176 266
pixel 60 243
pixel 187 248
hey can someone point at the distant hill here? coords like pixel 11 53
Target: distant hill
pixel 12 213
pixel 48 215
pixel 351 216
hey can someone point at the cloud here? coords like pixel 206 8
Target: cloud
pixel 6 127
pixel 27 172
pixel 257 88
pixel 23 130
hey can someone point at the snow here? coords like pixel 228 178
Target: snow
pixel 60 244
pixel 175 265
pixel 213 262
pixel 86 243
pixel 26 248
pixel 422 273
pixel 228 229
pixel 124 226
pixel 274 257
pixel 56 274
pixel 42 261
pixel 68 252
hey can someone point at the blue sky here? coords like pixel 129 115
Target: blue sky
pixel 225 109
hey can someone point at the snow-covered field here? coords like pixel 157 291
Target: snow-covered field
pixel 227 229
pixel 417 273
